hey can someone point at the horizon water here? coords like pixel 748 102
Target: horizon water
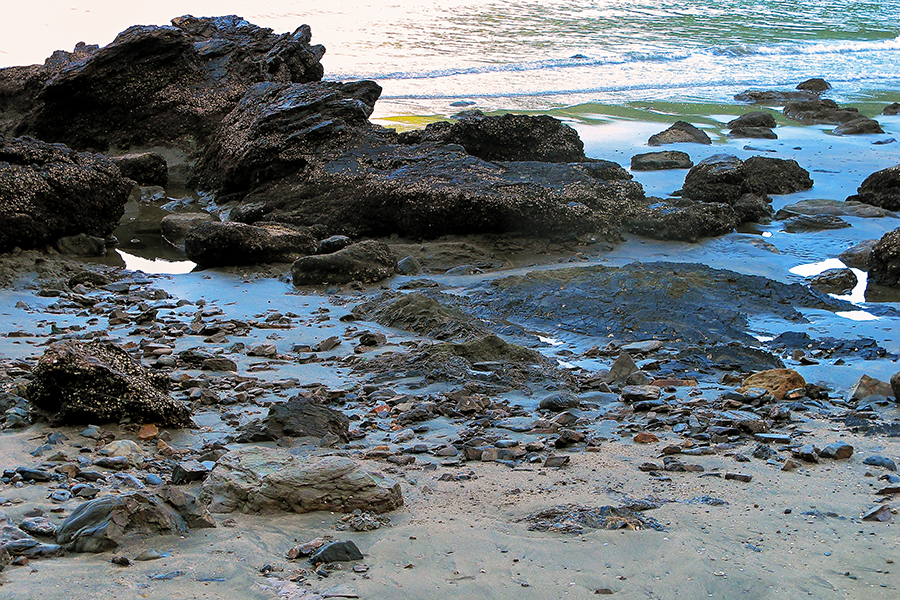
pixel 430 57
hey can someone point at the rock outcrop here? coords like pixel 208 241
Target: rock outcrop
pixel 298 417
pixel 680 132
pixel 881 188
pixel 366 262
pixel 99 382
pixel 884 262
pixel 256 479
pixel 48 191
pixel 658 161
pixel 216 244
pixel 725 178
pixel 152 85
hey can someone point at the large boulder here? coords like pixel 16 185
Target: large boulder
pixel 257 479
pixel 680 132
pixel 809 112
pixel 298 417
pixel 726 178
pixel 147 168
pixel 658 161
pixel 884 262
pixel 753 119
pixel 153 85
pixel 681 220
pixel 99 382
pixel 107 522
pixel 367 262
pixel 48 191
pixel 506 137
pixel 881 188
pixel 859 126
pixel 216 244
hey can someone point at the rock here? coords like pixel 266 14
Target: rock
pixel 256 479
pixel 857 257
pixel 884 262
pixel 815 84
pixel 881 188
pixel 168 86
pixel 333 244
pixel 859 126
pixel 807 453
pixel 777 381
pixel 420 314
pixel 638 393
pixel 738 477
pixel 884 462
pixel 623 367
pixel 216 244
pixel 509 137
pixel 191 510
pixel 835 281
pixel 560 401
pixel 188 471
pixel 175 227
pixel 879 513
pixel 109 521
pixel 82 245
pixel 801 223
pixel 98 382
pixel 895 386
pixel 126 449
pixel 555 462
pixel 409 266
pixel 658 161
pixel 680 132
pixel 837 451
pixel 891 109
pixel 836 208
pixel 753 119
pixel 343 551
pixel 298 417
pixel 146 168
pixel 682 219
pixel 645 437
pixel 725 178
pixel 760 133
pixel 867 386
pixel 827 112
pixel 218 363
pixel 367 261
pixel 49 191
pixel 774 97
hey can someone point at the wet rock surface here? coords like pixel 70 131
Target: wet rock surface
pixel 216 244
pixel 367 262
pixel 881 188
pixel 884 262
pixel 679 133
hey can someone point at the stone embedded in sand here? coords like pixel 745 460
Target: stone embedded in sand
pixel 680 132
pixel 367 261
pixel 777 381
pixel 858 126
pixel 298 417
pixel 257 479
pixel 867 386
pixel 99 382
pixel 107 522
pixel 658 161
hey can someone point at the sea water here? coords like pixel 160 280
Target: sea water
pixel 433 56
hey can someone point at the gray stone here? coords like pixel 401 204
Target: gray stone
pixel 880 461
pixel 859 126
pixel 367 262
pixel 343 551
pixel 409 266
pixel 802 223
pixel 658 161
pixel 680 132
pixel 857 257
pixel 175 227
pixel 215 244
pixel 884 262
pixel 837 451
pixel 82 245
pixel 257 479
pixel 298 417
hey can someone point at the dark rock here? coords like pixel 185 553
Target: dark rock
pixel 560 402
pixel 99 382
pixel 409 266
pixel 880 461
pixel 82 245
pixel 681 219
pixel 333 244
pixel 760 133
pixel 508 137
pixel 367 261
pixel 680 132
pixel 188 471
pixel 837 208
pixel 753 119
pixel 109 521
pixel 154 85
pixel 884 262
pixel 146 168
pixel 881 188
pixel 725 178
pixel 336 552
pixel 298 417
pixel 857 257
pixel 802 223
pixel 891 109
pixel 859 126
pixel 815 84
pixel 191 510
pixel 837 451
pixel 175 227
pixel 774 97
pixel 820 111
pixel 658 161
pixel 895 386
pixel 835 281
pixel 807 453
pixel 49 191
pixel 215 244
pixel 420 314
pixel 738 477
pixel 218 363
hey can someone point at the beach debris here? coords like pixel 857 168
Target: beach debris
pixel 360 520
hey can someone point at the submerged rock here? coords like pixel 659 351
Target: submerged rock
pixel 881 188
pixel 99 382
pixel 857 257
pixel 49 191
pixel 884 262
pixel 680 132
pixel 257 479
pixel 367 262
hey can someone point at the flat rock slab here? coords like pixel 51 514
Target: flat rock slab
pixel 256 479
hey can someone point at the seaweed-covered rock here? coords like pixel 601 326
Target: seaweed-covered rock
pixel 680 132
pixel 726 178
pixel 681 220
pixel 816 84
pixel 166 85
pixel 99 382
pixel 48 191
pixel 256 479
pixel 507 137
pixel 214 244
pixel 835 281
pixel 884 262
pixel 891 109
pixel 881 188
pixel 420 314
pixel 107 522
pixel 768 97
